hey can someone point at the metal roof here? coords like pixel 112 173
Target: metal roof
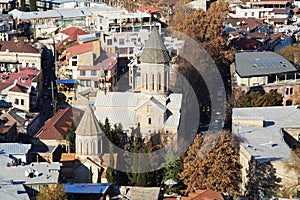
pixel 155 50
pixel 84 188
pixel 15 148
pixel 249 64
pixel 47 173
pixel 265 143
pixel 13 192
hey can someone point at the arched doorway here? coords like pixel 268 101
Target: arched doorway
pixel 289 102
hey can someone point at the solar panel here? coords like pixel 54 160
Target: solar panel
pixel 266 62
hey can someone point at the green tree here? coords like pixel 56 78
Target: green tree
pixel 138 163
pixel 23 8
pixel 32 5
pixel 218 170
pixel 71 135
pixel 256 99
pixel 262 180
pixel 52 192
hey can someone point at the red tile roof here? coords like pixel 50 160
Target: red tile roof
pixel 244 23
pixel 108 62
pixel 58 126
pixel 22 47
pixel 73 32
pixel 19 88
pixel 148 9
pixel 204 195
pixel 24 77
pixel 3 86
pixel 79 49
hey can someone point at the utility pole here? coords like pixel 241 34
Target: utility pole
pixel 53 98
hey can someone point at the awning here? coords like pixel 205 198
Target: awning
pixel 67 81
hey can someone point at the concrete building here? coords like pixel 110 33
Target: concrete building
pixel 264 71
pixel 17 151
pixel 16 54
pixel 262 138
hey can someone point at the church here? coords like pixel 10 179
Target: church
pixel 148 106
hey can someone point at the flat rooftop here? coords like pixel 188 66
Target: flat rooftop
pixel 265 143
pixel 249 64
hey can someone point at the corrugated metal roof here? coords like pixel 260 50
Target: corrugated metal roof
pixel 249 64
pixel 116 99
pixel 15 148
pixel 83 188
pixel 124 116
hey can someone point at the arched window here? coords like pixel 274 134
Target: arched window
pixel 146 82
pixel 159 81
pixel 152 81
pixel 149 121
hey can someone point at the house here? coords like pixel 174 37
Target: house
pixel 250 24
pixel 263 140
pixel 87 191
pixel 87 54
pixel 203 195
pixel 22 88
pixel 43 5
pixel 10 190
pixel 273 12
pixel 33 176
pixel 18 151
pixel 104 72
pixel 19 117
pixel 265 71
pixel 139 193
pixel 55 130
pixel 70 33
pixel 16 54
pixel 8 133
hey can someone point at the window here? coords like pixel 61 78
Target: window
pixel 252 14
pixel 95 84
pixel 152 81
pixel 146 84
pixel 109 41
pixel 287 91
pixel 291 90
pixel 123 50
pixel 82 73
pixel 121 41
pixel 94 73
pixel 159 81
pixel 149 121
pixel 88 83
pixel 17 101
pixel 74 63
pixel 33 64
pixel 27 64
pixel 245 14
pixel 22 102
